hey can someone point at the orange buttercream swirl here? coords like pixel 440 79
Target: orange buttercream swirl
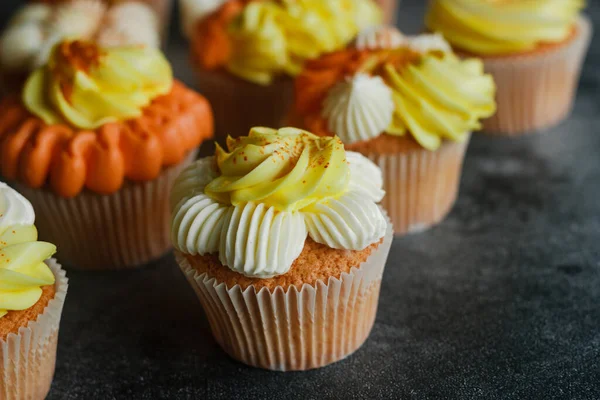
pixel 101 160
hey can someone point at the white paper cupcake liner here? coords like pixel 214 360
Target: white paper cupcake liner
pixel 293 329
pixel 27 358
pixel 421 186
pixel 238 105
pixel 126 229
pixel 537 91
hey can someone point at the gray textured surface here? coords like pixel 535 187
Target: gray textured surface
pixel 502 300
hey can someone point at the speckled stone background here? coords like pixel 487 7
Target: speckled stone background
pixel 501 301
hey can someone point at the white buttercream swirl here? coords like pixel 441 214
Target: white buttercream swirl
pixel 78 19
pixel 379 37
pixel 194 10
pixel 14 208
pixel 19 45
pixel 31 13
pixel 366 177
pixel 428 42
pixel 259 241
pixel 350 222
pixel 359 108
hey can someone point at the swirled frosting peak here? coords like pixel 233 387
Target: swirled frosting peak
pixel 359 108
pixel 22 267
pixel 259 40
pixel 492 27
pixel 420 88
pixel 87 86
pixel 287 169
pixel 256 203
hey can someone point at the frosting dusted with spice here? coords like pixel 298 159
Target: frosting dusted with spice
pixel 493 27
pixel 86 86
pixel 287 169
pixel 257 209
pixel 22 267
pixel 258 40
pixel 435 95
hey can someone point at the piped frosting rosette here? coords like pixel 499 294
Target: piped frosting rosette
pixel 256 202
pixel 388 83
pixel 260 40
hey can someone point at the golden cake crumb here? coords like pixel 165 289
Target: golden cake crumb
pixel 316 262
pixel 13 320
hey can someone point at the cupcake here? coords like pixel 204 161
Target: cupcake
pixel 534 50
pixel 95 142
pixel 160 9
pixel 33 288
pixel 247 51
pixel 281 238
pixel 407 103
pixel 34 30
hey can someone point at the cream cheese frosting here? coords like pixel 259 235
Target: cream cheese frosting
pixel 359 108
pixel 261 238
pixel 14 208
pixel 22 267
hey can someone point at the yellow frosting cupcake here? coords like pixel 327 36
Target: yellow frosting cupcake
pixel 533 48
pixel 409 104
pixel 283 217
pixel 32 293
pixel 248 51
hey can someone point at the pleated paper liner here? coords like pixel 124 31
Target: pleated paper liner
pixel 537 91
pixel 238 105
pixel 28 358
pixel 293 329
pixel 421 186
pixel 126 229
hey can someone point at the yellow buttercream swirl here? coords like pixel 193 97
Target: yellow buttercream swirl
pixel 288 169
pixel 274 37
pixel 439 96
pixel 493 27
pixel 87 86
pixel 22 268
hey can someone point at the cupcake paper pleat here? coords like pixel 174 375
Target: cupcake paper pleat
pixel 27 358
pixel 297 329
pixel 123 230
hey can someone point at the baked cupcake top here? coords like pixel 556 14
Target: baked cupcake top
pixel 23 272
pixel 497 27
pixel 93 116
pixel 256 202
pixel 36 28
pixel 258 40
pixel 389 84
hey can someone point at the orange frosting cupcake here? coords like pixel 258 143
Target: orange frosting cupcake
pixel 100 160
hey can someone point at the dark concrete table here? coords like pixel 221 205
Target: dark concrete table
pixel 502 300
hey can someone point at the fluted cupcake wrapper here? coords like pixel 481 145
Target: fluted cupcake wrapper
pixel 537 91
pixel 421 186
pixel 293 329
pixel 126 229
pixel 238 105
pixel 28 358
